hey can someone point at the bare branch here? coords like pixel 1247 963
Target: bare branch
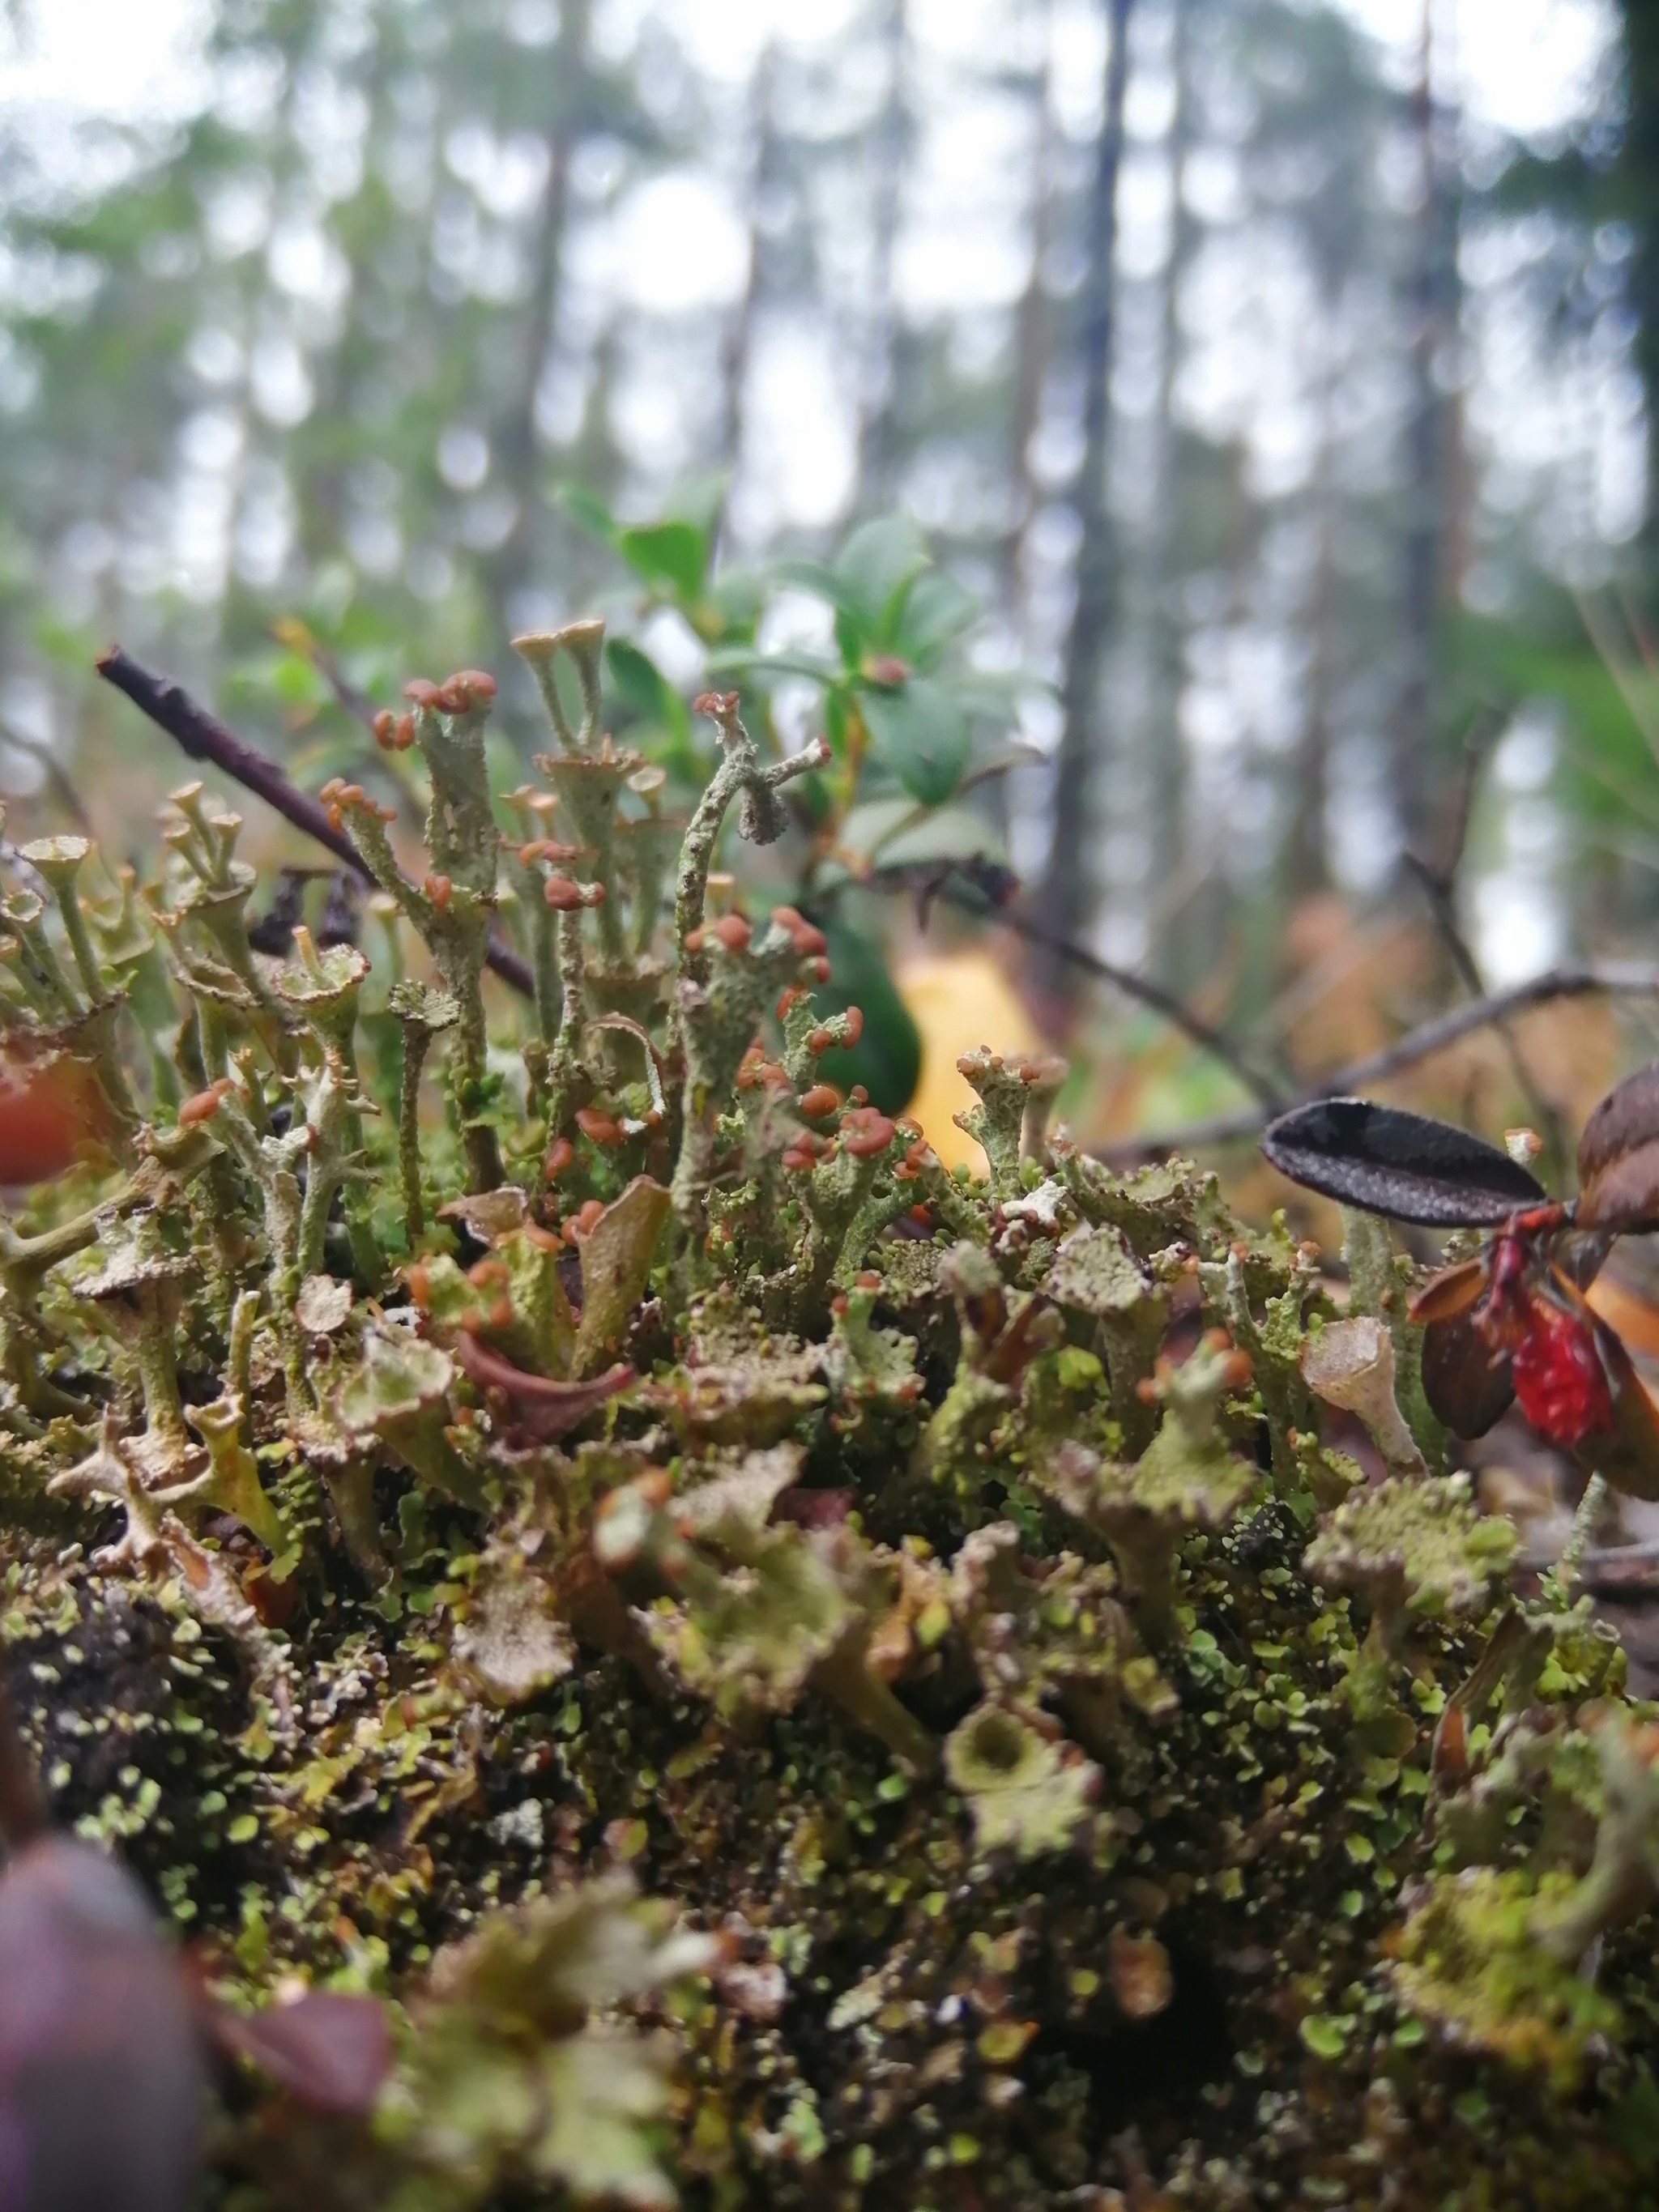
pixel 57 780
pixel 204 737
pixel 1636 979
pixel 289 630
pixel 1439 880
pixel 973 898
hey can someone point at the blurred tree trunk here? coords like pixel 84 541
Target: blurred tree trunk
pixel 1307 866
pixel 738 348
pixel 516 441
pixel 1636 184
pixel 1031 316
pixel 889 145
pixel 1166 754
pixel 1433 326
pixel 1064 895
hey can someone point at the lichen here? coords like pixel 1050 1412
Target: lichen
pixel 791 1676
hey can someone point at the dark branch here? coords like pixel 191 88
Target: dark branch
pixel 68 797
pixel 1179 1015
pixel 1625 978
pixel 204 737
pixel 293 634
pixel 1438 878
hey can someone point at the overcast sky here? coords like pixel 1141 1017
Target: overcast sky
pixel 1524 65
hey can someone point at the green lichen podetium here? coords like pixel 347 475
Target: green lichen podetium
pixel 800 1679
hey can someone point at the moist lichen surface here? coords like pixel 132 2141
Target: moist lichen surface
pixel 797 1677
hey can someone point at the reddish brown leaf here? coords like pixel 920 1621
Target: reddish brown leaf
pixel 546 1408
pixel 330 2051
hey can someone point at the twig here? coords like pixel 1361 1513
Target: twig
pixel 1625 978
pixel 68 797
pixel 1439 880
pixel 1205 1035
pixel 204 737
pixel 289 630
pixel 1610 1570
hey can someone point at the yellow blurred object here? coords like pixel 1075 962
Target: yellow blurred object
pixel 957 1001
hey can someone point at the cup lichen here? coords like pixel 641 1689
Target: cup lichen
pixel 421 1532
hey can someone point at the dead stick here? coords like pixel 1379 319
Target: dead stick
pixel 1203 1034
pixel 1174 1011
pixel 1623 978
pixel 204 737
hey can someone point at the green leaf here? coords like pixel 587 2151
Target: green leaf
pixel 674 554
pixel 698 500
pixel 887 1058
pixel 936 611
pixel 813 576
pixel 744 660
pixel 1325 2035
pixel 990 694
pixel 921 733
pixel 642 686
pixel 588 512
pixel 869 824
pixel 736 599
pixel 1633 2126
pixel 876 566
pixel 947 833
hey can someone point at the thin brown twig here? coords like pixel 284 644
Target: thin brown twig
pixel 1174 1011
pixel 1439 880
pixel 1577 980
pixel 56 777
pixel 289 630
pixel 204 737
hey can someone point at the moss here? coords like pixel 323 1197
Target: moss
pixel 783 1701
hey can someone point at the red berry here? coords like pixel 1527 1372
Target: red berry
pixel 1560 1379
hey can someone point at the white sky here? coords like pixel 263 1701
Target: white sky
pixel 1522 66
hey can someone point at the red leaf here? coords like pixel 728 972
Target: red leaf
pixel 330 2051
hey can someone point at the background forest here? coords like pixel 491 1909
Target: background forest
pixel 1268 384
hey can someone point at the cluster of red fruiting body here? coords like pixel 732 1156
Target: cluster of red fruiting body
pixel 337 795
pixel 457 695
pixel 1560 1379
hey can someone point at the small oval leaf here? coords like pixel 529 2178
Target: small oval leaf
pixel 330 2051
pixel 1469 1387
pixel 1407 1166
pixel 1618 1157
pixel 1631 1463
pixel 674 555
pixel 919 733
